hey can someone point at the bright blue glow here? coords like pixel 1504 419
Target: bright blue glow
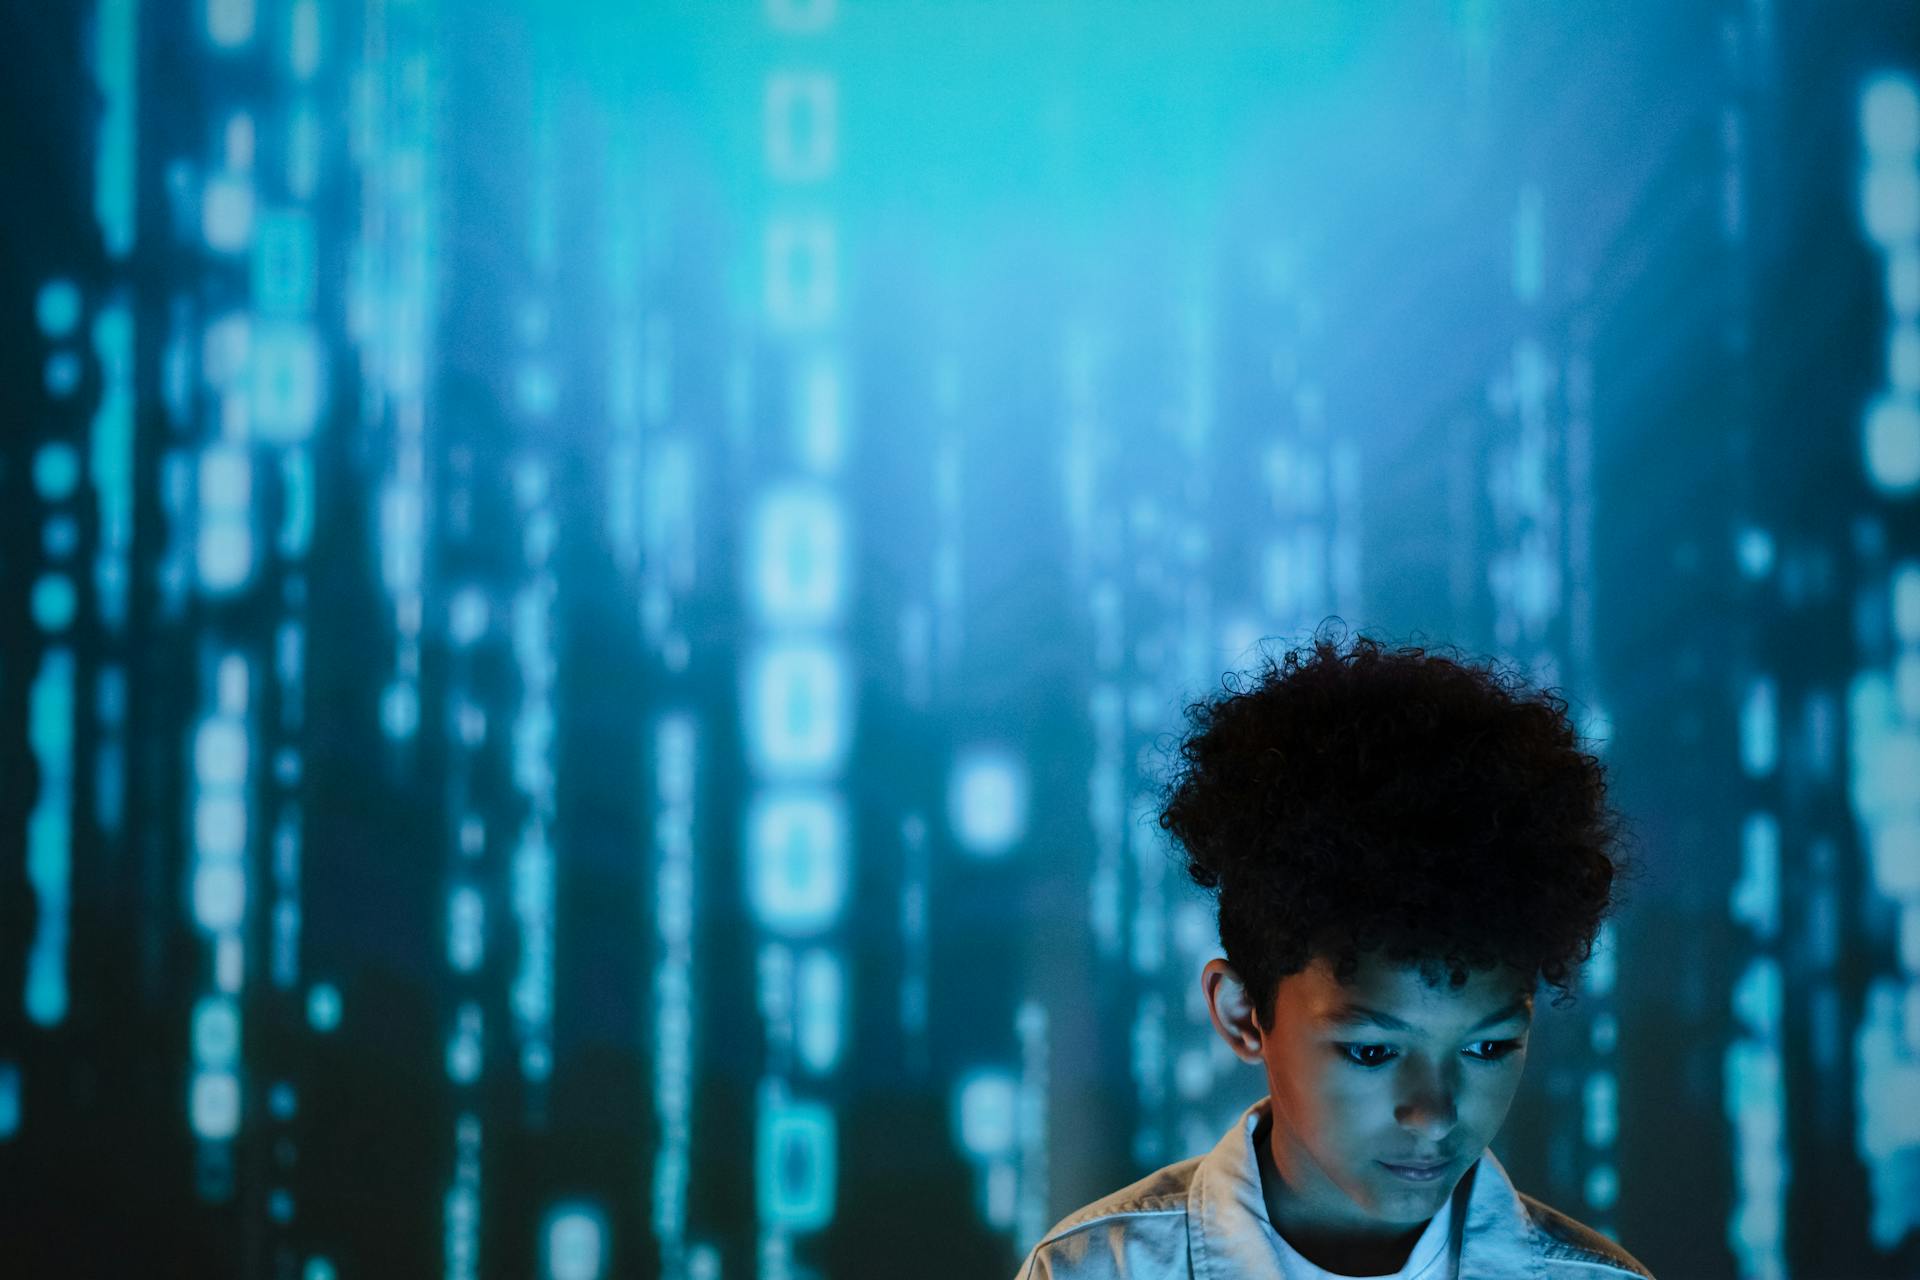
pixel 575 1242
pixel 987 801
pixel 798 861
pixel 801 126
pixel 1903 282
pixel 219 896
pixel 63 374
pixel 1756 895
pixel 213 1107
pixel 464 1049
pixel 115 46
pixel 226 213
pixel 1904 589
pixel 1903 358
pixel 1893 855
pixel 1758 997
pixel 537 390
pixel 1603 1187
pixel 50 836
pixel 466 928
pixel 57 307
pixel 1759 728
pixel 797 556
pixel 319 1269
pixel 467 616
pixel 323 1007
pixel 220 825
pixel 61 537
pixel 303 152
pixel 820 998
pixel 303 38
pixel 1890 118
pixel 819 414
pixel 1602 1108
pixel 9 1100
pixel 400 710
pixel 285 263
pixel 985 1111
pixel 56 471
pixel 802 273
pixel 224 553
pixel 220 752
pixel 287 381
pixel 798 718
pixel 795 1162
pixel 1891 438
pixel 216 1032
pixel 1886 1131
pixel 54 602
pixel 1755 552
pixel 230 22
pixel 800 15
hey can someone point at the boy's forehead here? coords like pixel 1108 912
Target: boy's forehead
pixel 1406 991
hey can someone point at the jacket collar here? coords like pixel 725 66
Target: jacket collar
pixel 1231 1237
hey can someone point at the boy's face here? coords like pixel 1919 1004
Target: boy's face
pixel 1385 1090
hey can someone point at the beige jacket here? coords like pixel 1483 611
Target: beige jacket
pixel 1205 1218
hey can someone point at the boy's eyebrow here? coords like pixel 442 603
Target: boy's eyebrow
pixel 1350 1014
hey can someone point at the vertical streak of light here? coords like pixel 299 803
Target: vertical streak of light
pixel 1883 711
pixel 798 688
pixel 50 836
pixel 116 47
pixel 675 743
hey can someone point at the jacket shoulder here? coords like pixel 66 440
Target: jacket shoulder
pixel 1573 1241
pixel 1138 1231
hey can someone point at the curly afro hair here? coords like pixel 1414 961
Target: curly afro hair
pixel 1353 799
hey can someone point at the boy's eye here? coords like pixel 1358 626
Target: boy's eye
pixel 1367 1055
pixel 1492 1050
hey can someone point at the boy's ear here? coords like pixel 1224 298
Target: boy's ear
pixel 1231 1009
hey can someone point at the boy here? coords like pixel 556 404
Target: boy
pixel 1402 848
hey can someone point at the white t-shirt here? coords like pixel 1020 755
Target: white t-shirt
pixel 1432 1257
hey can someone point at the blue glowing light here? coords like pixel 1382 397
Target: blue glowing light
pixel 9 1100
pixel 795 1162
pixel 54 602
pixel 1759 728
pixel 287 380
pixel 219 896
pixel 226 213
pixel 216 1032
pixel 985 1111
pixel 575 1242
pixel 1890 118
pixel 1904 589
pixel 323 1007
pixel 115 47
pixel 802 283
pixel 62 374
pixel 57 308
pixel 987 801
pixel 56 471
pixel 230 22
pixel 798 861
pixel 798 549
pixel 1891 439
pixel 214 1105
pixel 798 715
pixel 820 1009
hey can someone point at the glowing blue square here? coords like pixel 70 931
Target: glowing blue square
pixel 798 720
pixel 285 381
pixel 795 1163
pixel 798 861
